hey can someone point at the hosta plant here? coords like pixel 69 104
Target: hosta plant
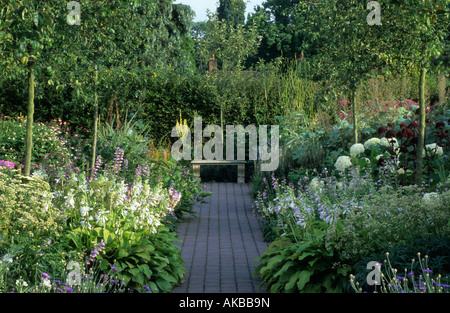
pixel 309 265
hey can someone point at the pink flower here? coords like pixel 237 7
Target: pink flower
pixel 4 163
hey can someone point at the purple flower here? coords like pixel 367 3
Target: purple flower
pixel 114 269
pixel 69 289
pixel 421 287
pixel 147 288
pixel 45 275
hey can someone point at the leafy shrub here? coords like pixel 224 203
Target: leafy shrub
pixel 131 137
pixel 309 265
pixel 387 217
pixel 26 207
pixel 25 258
pixel 47 139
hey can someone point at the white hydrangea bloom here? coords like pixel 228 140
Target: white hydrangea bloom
pixel 371 142
pixel 434 149
pixel 431 198
pixel 342 163
pixel 389 142
pixel 356 149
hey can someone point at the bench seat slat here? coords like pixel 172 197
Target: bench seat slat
pixel 240 163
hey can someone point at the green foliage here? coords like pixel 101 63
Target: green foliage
pixel 390 216
pixel 280 24
pixel 26 207
pixel 154 261
pixel 24 258
pixel 46 141
pixel 232 11
pixel 306 266
pixel 231 43
pixel 141 260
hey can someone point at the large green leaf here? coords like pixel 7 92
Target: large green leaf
pixel 304 278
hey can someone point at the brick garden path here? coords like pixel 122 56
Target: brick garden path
pixel 220 244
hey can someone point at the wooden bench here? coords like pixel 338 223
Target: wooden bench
pixel 240 164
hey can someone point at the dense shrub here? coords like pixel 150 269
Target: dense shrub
pixel 26 208
pixel 48 141
pixel 308 265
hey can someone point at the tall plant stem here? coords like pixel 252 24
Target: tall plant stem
pixel 94 135
pixel 30 114
pixel 355 116
pixel 422 125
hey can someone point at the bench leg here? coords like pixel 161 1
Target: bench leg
pixel 196 169
pixel 241 174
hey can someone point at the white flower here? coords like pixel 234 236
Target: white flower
pixel 401 171
pixel 47 283
pixel 316 183
pixel 391 142
pixel 6 258
pixel 433 149
pixel 58 193
pixel 21 283
pixel 342 163
pixel 84 210
pixel 431 198
pixel 356 149
pixel 70 201
pixel 371 142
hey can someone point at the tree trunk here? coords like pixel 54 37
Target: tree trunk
pixel 422 118
pixel 441 88
pixel 94 134
pixel 30 114
pixel 355 117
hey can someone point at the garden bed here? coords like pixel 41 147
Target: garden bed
pixel 113 229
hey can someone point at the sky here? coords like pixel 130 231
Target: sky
pixel 200 6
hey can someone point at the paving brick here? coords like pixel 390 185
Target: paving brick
pixel 220 244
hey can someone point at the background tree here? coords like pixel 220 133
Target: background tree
pixel 26 29
pixel 127 42
pixel 346 54
pixel 415 36
pixel 412 36
pixel 231 44
pixel 232 11
pixel 280 24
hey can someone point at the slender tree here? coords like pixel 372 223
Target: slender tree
pixel 345 58
pixel 414 36
pixel 26 28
